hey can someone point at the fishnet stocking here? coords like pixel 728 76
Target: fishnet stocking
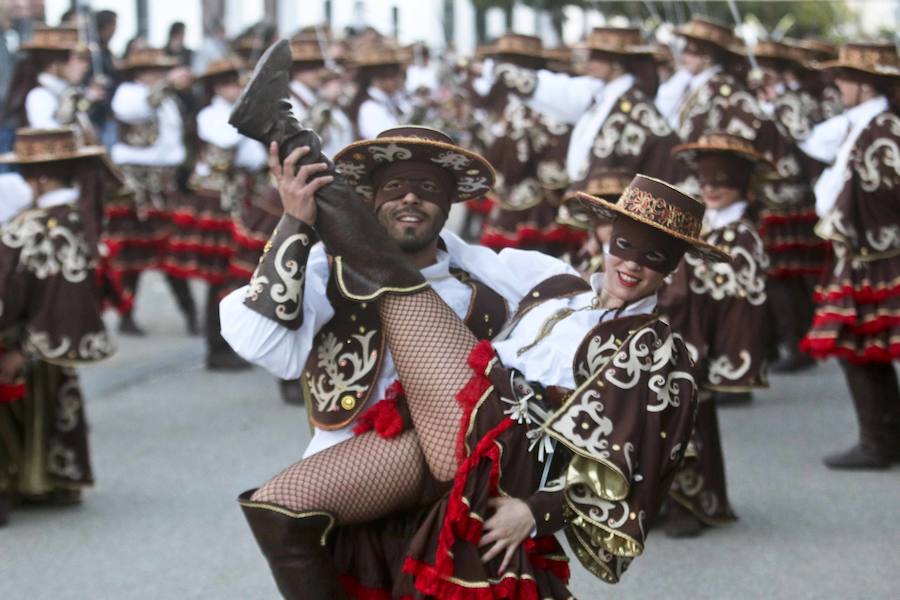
pixel 361 479
pixel 430 345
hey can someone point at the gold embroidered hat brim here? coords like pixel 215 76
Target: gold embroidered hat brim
pixel 610 210
pixel 12 158
pixel 879 70
pixel 473 174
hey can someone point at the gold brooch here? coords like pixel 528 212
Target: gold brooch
pixel 625 105
pixel 725 90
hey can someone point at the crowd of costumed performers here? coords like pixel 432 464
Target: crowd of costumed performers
pixel 649 230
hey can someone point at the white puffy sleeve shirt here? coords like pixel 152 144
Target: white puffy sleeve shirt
pixel 130 104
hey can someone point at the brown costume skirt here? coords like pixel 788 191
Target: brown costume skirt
pixel 201 244
pixel 858 313
pixel 434 553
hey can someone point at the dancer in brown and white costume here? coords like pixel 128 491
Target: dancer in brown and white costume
pixel 315 96
pixel 457 446
pixel 721 312
pixel 379 103
pixel 51 314
pixel 526 146
pixel 787 214
pixel 857 310
pixel 201 244
pixel 150 149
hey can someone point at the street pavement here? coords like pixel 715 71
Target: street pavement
pixel 173 445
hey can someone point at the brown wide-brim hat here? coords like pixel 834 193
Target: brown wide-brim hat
pixel 148 58
pixel 224 67
pixel 709 31
pixel 55 39
pixel 306 52
pixel 515 45
pixel 35 145
pixel 879 59
pixel 778 52
pixel 603 183
pixel 617 41
pixel 472 173
pixel 662 206
pixel 378 57
pixel 724 143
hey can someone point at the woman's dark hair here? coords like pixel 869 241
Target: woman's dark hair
pixel 25 78
pixel 177 28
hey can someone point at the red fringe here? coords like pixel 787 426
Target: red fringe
pixel 198 248
pixel 862 295
pixel 193 221
pixel 383 416
pixel 827 348
pixel 433 580
pixel 795 246
pixel 871 327
pixel 481 206
pixel 358 591
pixel 498 241
pixel 10 392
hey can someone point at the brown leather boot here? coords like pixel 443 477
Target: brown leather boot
pixel 875 393
pixel 367 261
pixel 295 546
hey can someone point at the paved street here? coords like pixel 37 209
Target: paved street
pixel 173 445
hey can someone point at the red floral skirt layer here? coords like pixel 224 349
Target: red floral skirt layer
pixel 250 230
pixel 791 243
pixel 433 553
pixel 136 237
pixel 531 228
pixel 201 244
pixel 858 313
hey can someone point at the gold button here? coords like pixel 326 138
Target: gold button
pixel 728 235
pixel 490 331
pixel 547 517
pixel 362 329
pixel 585 426
pixel 625 106
pixel 348 402
pixel 267 247
pixel 51 223
pixel 725 90
pixel 352 317
pixel 617 447
pixel 364 304
pixel 536 294
pixel 487 318
pixel 632 516
pixel 662 434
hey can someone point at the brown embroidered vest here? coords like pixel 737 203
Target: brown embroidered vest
pixel 139 135
pixel 348 352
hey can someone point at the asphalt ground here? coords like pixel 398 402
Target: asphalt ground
pixel 173 445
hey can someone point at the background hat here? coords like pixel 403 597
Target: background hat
pixel 525 50
pixel 708 31
pixel 58 39
pixel 306 52
pixel 722 142
pixel 148 58
pixel 662 206
pixel 376 57
pixel 474 176
pixel 601 182
pixel 870 58
pixel 48 145
pixel 231 66
pixel 779 53
pixel 622 41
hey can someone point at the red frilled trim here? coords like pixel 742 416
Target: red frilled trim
pixel 198 248
pixel 436 580
pixel 562 234
pixel 785 272
pixel 246 241
pixel 114 293
pixel 863 295
pixel 812 245
pixel 828 348
pixel 10 392
pixel 481 206
pixel 775 219
pixel 499 241
pixel 870 327
pixel 383 416
pixel 358 591
pixel 190 220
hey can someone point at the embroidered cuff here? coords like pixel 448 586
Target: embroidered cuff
pixel 516 80
pixel 276 288
pixel 546 507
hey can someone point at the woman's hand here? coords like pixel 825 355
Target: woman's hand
pixel 11 365
pixel 509 526
pixel 297 187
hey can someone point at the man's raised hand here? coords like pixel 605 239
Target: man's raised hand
pixel 298 187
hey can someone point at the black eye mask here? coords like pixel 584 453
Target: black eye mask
pixel 645 245
pixel 429 182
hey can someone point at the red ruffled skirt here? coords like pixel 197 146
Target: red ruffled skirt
pixel 201 244
pixel 858 314
pixel 434 553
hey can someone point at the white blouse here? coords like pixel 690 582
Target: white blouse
pixel 549 360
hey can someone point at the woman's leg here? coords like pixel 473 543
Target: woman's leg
pixel 364 478
pixel 430 346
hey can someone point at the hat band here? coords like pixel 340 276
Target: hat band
pixel 643 204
